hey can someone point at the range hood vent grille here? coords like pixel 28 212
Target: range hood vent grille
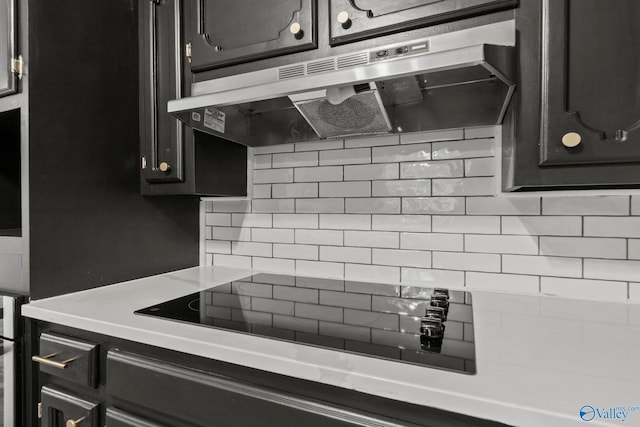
pixel 353 60
pixel 291 72
pixel 321 66
pixel 458 79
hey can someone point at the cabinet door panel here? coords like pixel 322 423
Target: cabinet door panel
pixel 60 407
pixel 235 31
pixel 160 80
pixel 7 47
pixel 369 18
pixel 175 159
pixel 591 93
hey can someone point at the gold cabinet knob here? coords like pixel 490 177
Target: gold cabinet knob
pixel 164 166
pixel 296 30
pixel 344 20
pixel 571 139
pixel 74 423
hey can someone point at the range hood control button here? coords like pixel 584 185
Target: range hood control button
pixel 344 20
pixel 382 53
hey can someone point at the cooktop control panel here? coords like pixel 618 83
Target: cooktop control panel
pixel 404 323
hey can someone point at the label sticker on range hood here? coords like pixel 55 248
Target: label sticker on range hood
pixel 214 119
pixel 462 78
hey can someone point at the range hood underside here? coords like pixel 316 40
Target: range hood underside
pixel 475 98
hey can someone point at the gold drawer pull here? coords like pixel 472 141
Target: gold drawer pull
pixel 46 360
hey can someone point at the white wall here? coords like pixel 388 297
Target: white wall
pixel 422 207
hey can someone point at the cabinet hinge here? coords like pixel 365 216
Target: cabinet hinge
pixel 39 409
pixel 187 51
pixel 17 66
pixel 143 162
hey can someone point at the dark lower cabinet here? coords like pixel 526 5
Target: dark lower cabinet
pixel 146 386
pixel 203 398
pixel 353 20
pixel 576 114
pixel 118 418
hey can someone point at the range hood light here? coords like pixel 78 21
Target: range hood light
pixel 337 95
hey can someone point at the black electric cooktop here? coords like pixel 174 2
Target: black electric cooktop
pixel 408 324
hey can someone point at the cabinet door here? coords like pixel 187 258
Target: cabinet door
pixel 161 134
pixel 8 77
pixel 236 31
pixel 352 20
pixel 60 408
pixel 175 159
pixel 591 82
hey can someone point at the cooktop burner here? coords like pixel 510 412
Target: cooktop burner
pixel 409 324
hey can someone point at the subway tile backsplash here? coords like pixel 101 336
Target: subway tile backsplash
pixel 421 208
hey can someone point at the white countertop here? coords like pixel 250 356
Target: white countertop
pixel 539 359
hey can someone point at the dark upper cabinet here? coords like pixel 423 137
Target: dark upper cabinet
pixel 235 31
pixel 352 20
pixel 174 158
pixel 591 94
pixel 576 112
pixel 161 80
pixel 10 66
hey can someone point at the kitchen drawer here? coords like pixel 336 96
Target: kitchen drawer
pixel 60 408
pixel 188 396
pixel 69 358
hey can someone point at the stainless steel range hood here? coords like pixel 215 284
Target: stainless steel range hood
pixel 462 78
